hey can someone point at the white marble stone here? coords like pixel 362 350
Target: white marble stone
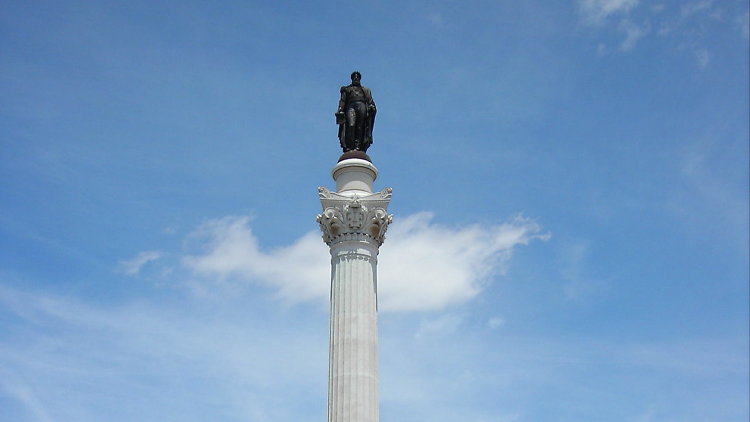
pixel 354 176
pixel 354 221
pixel 353 348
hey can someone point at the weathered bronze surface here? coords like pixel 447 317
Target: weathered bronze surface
pixel 355 116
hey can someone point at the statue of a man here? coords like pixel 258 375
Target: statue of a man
pixel 355 116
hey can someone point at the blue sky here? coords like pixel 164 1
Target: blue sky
pixel 570 200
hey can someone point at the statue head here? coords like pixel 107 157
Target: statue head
pixel 356 77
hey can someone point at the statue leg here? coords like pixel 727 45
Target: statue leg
pixel 342 136
pixel 351 129
pixel 359 129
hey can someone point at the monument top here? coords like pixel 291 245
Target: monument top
pixel 355 116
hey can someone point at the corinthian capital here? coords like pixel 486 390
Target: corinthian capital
pixel 354 218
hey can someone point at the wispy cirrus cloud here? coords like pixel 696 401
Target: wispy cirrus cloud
pixel 65 359
pixel 685 25
pixel 633 33
pixel 424 266
pixel 434 18
pixel 691 8
pixel 597 11
pixel 579 285
pixel 743 23
pixel 133 266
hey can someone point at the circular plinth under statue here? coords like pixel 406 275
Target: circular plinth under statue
pixel 354 154
pixel 354 176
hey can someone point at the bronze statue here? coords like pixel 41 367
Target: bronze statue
pixel 355 116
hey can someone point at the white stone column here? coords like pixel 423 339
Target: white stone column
pixel 354 222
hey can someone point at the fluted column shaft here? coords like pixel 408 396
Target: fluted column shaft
pixel 353 353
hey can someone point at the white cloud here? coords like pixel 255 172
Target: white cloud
pixel 715 191
pixel 495 322
pixel 597 11
pixel 633 33
pixel 702 56
pixel 648 416
pixel 440 326
pixel 686 25
pixel 664 29
pixel 579 286
pixel 66 360
pixel 743 22
pixel 24 394
pixel 435 18
pixel 423 266
pixel 133 266
pixel 301 271
pixel 689 9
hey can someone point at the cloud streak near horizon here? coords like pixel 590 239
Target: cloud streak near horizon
pixel 68 359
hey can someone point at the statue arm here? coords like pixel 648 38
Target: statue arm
pixel 342 101
pixel 370 102
pixel 340 117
